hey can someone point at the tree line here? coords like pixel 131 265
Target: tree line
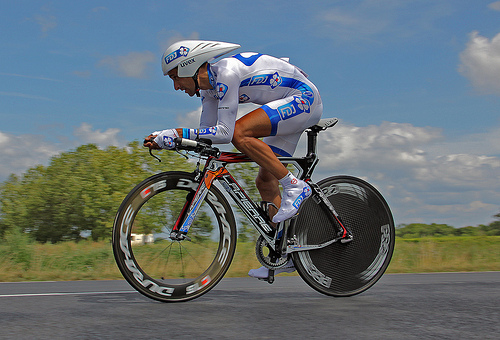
pixel 417 230
pixel 80 191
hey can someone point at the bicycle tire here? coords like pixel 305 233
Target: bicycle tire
pixel 167 270
pixel 345 269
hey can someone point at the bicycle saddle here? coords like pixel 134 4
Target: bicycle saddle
pixel 324 124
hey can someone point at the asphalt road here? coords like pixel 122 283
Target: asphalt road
pixel 404 306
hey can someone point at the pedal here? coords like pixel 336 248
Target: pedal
pixel 270 278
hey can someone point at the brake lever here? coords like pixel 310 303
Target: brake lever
pixel 151 153
pixel 147 140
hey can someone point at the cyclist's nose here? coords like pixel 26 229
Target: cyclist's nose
pixel 177 86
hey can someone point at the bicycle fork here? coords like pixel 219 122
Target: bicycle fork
pixel 192 205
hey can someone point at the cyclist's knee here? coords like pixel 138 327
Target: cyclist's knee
pixel 242 143
pixel 238 139
pixel 244 134
pixel 237 143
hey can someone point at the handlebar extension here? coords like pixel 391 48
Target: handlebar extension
pixel 202 146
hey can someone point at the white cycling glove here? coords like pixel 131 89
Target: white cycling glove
pixel 165 138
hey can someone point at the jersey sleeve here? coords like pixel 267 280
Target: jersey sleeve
pixel 218 115
pixel 209 103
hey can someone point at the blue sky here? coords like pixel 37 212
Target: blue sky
pixel 416 85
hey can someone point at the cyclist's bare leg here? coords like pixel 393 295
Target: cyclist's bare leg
pixel 268 187
pixel 247 130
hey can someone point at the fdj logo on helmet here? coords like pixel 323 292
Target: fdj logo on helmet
pixel 181 52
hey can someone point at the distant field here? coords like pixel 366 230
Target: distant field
pixel 21 260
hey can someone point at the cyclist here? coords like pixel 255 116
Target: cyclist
pixel 289 104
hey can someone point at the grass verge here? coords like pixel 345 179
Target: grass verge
pixel 22 260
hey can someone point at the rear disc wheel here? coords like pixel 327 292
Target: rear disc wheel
pixel 345 269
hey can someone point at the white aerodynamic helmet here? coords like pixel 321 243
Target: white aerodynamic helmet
pixel 189 55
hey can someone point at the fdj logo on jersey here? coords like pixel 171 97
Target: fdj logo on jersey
pixel 259 80
pixel 276 80
pixel 293 108
pixel 208 131
pixel 244 98
pixel 181 52
pixel 221 90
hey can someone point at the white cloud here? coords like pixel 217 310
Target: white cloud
pixel 484 143
pixel 132 65
pixel 480 62
pixel 420 183
pixel 460 171
pixel 18 153
pixel 495 6
pixel 388 147
pixel 85 135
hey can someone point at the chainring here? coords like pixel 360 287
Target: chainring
pixel 267 256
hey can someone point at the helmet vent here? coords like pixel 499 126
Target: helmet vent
pixel 209 45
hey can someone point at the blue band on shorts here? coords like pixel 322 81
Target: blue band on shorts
pixel 274 116
pixel 280 151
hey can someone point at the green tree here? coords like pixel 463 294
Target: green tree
pixel 78 191
pixel 469 231
pixel 415 230
pixel 81 190
pixel 493 228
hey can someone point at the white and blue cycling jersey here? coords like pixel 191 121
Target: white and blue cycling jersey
pixel 291 101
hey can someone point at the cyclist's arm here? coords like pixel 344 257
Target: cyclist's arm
pixel 218 126
pixel 210 103
pixel 208 119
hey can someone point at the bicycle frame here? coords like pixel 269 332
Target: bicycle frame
pixel 215 169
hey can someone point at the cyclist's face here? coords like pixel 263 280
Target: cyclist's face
pixel 185 84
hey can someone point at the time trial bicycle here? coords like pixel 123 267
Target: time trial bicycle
pixel 341 241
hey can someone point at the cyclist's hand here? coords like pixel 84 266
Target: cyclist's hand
pixel 149 142
pixel 162 139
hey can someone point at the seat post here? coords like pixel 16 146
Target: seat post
pixel 312 135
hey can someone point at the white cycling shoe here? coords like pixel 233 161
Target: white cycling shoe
pixel 292 199
pixel 263 272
